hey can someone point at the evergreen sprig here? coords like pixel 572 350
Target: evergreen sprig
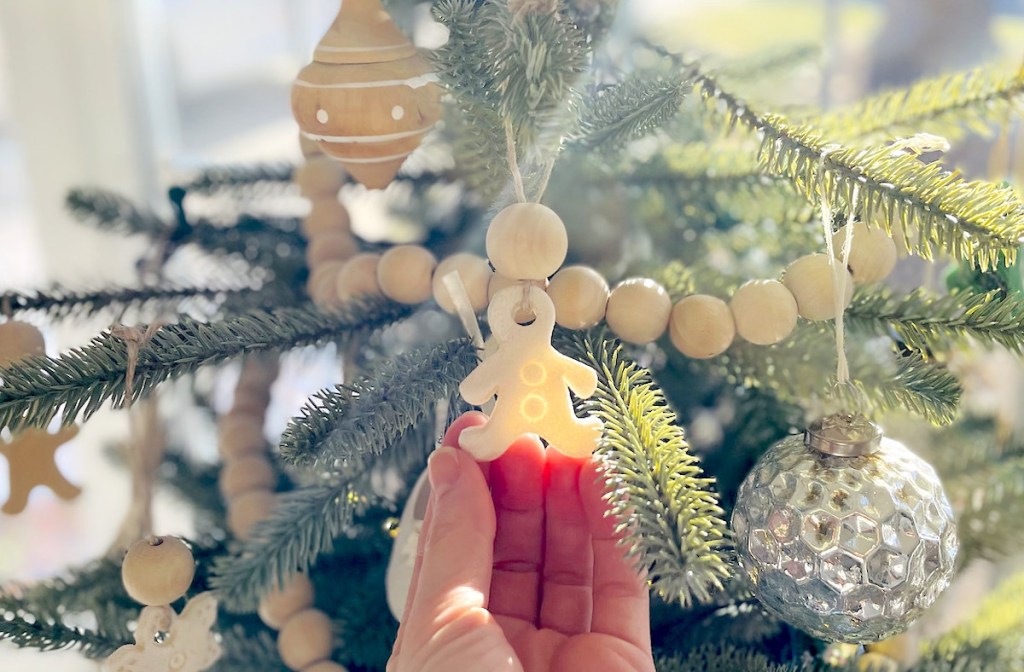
pixel 932 323
pixel 244 176
pixel 977 222
pixel 361 418
pixel 60 302
pixel 946 105
pixel 107 210
pixel 628 110
pixel 36 389
pixel 991 518
pixel 675 529
pixel 53 635
pixel 721 659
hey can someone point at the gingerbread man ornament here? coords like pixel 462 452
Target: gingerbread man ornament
pixel 31 462
pixel 532 381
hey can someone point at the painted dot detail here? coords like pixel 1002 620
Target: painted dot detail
pixel 321 116
pixel 397 112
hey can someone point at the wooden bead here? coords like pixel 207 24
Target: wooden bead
pixel 257 374
pixel 527 241
pixel 306 638
pixel 308 147
pixel 358 277
pixel 475 274
pixel 240 434
pixel 247 509
pixel 405 273
pixel 251 401
pixel 280 604
pixel 319 177
pixel 701 326
pixel 323 284
pixel 638 310
pixel 157 570
pixel 764 311
pixel 325 666
pixel 327 215
pixel 330 247
pixel 580 296
pixel 809 278
pixel 19 340
pixel 249 472
pixel 872 253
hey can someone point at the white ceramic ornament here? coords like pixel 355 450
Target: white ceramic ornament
pixel 168 641
pixel 532 381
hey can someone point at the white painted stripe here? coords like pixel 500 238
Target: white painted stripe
pixel 380 159
pixel 350 50
pixel 366 139
pixel 412 82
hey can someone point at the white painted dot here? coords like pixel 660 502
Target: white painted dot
pixel 397 112
pixel 321 116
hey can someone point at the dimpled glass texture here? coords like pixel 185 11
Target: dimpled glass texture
pixel 849 549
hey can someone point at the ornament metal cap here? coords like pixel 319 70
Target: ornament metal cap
pixel 844 435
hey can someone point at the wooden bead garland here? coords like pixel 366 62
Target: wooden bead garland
pixel 404 273
pixel 247 472
pixel 368 97
pixel 701 326
pixel 306 638
pixel 527 241
pixel 580 295
pixel 764 311
pixel 157 570
pixel 475 273
pixel 358 277
pixel 809 278
pixel 281 604
pixel 319 178
pixel 872 252
pixel 638 310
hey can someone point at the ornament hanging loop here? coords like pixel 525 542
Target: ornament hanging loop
pixel 844 435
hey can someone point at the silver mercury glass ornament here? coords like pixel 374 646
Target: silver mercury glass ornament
pixel 845 533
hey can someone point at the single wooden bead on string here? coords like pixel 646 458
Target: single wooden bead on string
pixel 476 277
pixel 249 472
pixel 701 326
pixel 527 241
pixel 247 509
pixel 638 310
pixel 809 278
pixel 323 284
pixel 326 215
pixel 327 247
pixel 872 252
pixel 358 277
pixel 157 570
pixel 580 296
pixel 764 311
pixel 499 282
pixel 305 638
pixel 319 177
pixel 280 604
pixel 405 272
pixel 19 340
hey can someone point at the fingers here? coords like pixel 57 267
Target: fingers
pixel 517 487
pixel 621 600
pixel 567 597
pixel 455 572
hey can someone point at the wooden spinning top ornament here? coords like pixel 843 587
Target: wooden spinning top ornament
pixel 368 97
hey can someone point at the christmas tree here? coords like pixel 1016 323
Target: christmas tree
pixel 683 202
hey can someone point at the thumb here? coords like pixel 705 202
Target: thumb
pixel 455 575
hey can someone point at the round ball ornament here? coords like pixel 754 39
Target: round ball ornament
pixel 845 533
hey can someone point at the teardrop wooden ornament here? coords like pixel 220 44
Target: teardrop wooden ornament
pixel 368 97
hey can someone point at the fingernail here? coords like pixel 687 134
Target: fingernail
pixel 443 469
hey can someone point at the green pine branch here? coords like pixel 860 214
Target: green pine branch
pixel 699 165
pixel 360 418
pixel 991 516
pixel 935 323
pixel 628 110
pixel 115 213
pixel 721 659
pixel 24 632
pixel 246 651
pixel 61 302
pixel 932 208
pixel 766 62
pixel 235 177
pixel 37 389
pixel 946 105
pixel 659 493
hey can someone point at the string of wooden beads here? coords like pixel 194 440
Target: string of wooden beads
pixel 305 639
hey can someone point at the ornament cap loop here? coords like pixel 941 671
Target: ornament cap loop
pixel 844 435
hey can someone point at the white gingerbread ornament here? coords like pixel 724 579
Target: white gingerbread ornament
pixel 168 641
pixel 532 381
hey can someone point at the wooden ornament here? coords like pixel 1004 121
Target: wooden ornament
pixel 532 381
pixel 638 310
pixel 247 509
pixel 323 285
pixel 319 178
pixel 358 277
pixel 308 147
pixel 306 638
pixel 405 273
pixel 257 374
pixel 580 296
pixel 167 641
pixel 475 274
pixel 326 215
pixel 253 401
pixel 527 241
pixel 157 570
pixel 240 434
pixel 872 252
pixel 281 604
pixel 327 247
pixel 764 311
pixel 701 326
pixel 31 459
pixel 249 472
pixel 809 278
pixel 368 97
pixel 19 340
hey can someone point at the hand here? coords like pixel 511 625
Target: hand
pixel 519 570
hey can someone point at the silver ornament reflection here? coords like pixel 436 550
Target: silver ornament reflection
pixel 849 549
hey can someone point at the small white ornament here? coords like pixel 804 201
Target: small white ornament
pixel 168 641
pixel 532 381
